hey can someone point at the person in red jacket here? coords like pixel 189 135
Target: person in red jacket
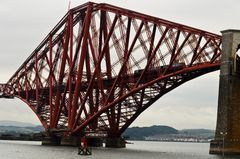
pixel 83 149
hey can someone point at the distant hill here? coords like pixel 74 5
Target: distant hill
pixel 139 133
pixel 19 127
pixel 24 130
pixel 145 133
pixel 155 132
pixel 15 123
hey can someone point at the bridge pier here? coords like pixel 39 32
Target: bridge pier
pixel 227 135
pixel 51 141
pixel 95 142
pixel 115 142
pixel 70 141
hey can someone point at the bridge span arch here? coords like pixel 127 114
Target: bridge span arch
pixel 191 105
pixel 16 110
pixel 101 66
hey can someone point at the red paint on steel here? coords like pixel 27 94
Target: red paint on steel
pixel 101 66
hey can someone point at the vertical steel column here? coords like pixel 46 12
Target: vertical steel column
pixel 61 73
pixel 50 80
pixel 36 79
pixel 26 83
pixel 87 21
pixel 96 69
pixel 18 85
pixel 107 51
pixel 70 66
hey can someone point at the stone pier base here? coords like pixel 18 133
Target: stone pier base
pixel 230 147
pixel 51 141
pixel 71 141
pixel 115 142
pixel 95 142
pixel 91 142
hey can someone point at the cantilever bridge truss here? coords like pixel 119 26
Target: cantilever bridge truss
pixel 101 66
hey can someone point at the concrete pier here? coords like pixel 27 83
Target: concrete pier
pixel 117 142
pixel 227 136
pixel 95 142
pixel 71 141
pixel 51 141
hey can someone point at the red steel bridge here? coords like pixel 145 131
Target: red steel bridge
pixel 101 66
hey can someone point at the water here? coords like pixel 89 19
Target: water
pixel 138 150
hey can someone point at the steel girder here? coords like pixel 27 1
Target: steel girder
pixel 101 66
pixel 2 86
pixel 6 91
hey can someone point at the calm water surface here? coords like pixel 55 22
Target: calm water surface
pixel 137 150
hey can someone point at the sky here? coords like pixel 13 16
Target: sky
pixel 24 24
